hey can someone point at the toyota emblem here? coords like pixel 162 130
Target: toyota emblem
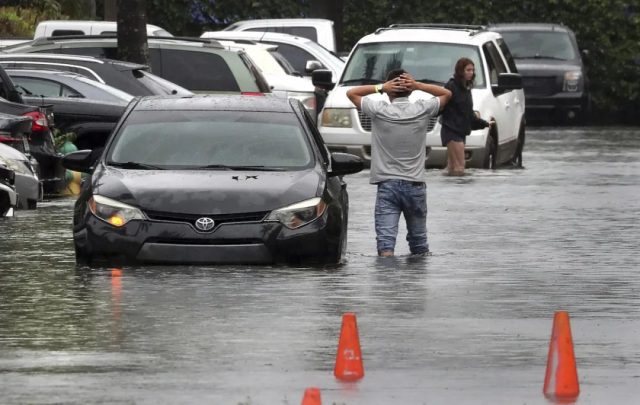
pixel 205 224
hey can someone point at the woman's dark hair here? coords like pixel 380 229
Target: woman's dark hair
pixel 458 72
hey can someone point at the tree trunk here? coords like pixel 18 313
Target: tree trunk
pixel 110 10
pixel 331 10
pixel 132 31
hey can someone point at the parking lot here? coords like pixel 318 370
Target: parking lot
pixel 469 324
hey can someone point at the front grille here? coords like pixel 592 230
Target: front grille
pixel 200 242
pixel 365 122
pixel 540 85
pixel 218 218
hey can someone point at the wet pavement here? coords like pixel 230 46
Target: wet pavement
pixel 468 325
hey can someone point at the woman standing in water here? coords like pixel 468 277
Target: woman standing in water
pixel 458 118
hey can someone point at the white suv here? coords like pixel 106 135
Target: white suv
pixel 429 53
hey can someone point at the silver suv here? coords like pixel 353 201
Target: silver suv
pixel 199 65
pixel 429 53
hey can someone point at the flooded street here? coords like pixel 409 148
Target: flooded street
pixel 469 324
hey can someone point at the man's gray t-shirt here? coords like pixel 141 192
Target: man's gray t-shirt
pixel 399 137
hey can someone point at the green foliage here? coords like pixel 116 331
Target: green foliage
pixel 21 17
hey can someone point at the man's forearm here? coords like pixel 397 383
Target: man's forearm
pixel 432 89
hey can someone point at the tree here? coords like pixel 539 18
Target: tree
pixel 132 31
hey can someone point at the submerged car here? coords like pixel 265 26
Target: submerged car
pixel 8 196
pixel 212 179
pixel 25 179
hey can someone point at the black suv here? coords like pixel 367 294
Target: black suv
pixel 553 74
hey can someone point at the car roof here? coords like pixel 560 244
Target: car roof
pixel 528 27
pixel 215 102
pixel 443 33
pixel 120 65
pixel 255 35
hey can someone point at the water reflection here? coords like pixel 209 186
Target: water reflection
pixel 510 247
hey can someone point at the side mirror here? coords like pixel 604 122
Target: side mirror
pixel 312 65
pixel 345 163
pixel 322 78
pixel 507 82
pixel 80 161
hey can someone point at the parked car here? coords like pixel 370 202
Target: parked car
pixel 26 182
pixel 302 53
pixel 318 30
pixel 56 83
pixel 429 53
pixel 283 84
pixel 213 179
pixel 8 196
pixel 39 141
pixel 129 77
pixel 12 41
pixel 199 65
pixel 55 28
pixel 553 74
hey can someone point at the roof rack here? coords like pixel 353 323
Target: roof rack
pixel 208 41
pixel 473 29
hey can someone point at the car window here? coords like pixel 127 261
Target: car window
pixel 198 71
pixel 59 33
pixel 494 62
pixel 425 61
pixel 193 139
pixel 305 32
pixel 507 54
pixel 297 56
pixel 540 44
pixel 158 85
pixel 33 86
pixel 259 79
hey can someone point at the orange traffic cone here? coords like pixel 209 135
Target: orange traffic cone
pixel 349 359
pixel 311 397
pixel 561 379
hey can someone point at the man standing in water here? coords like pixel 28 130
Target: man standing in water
pixel 398 153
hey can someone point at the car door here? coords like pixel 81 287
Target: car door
pixel 504 111
pixel 518 95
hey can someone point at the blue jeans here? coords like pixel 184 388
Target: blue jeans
pixel 409 198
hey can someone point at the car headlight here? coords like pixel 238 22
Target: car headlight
pixel 113 212
pixel 20 166
pixel 336 117
pixel 307 99
pixel 572 80
pixel 299 214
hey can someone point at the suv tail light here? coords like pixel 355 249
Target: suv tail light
pixel 40 121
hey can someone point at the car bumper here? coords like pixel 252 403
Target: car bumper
pixel 563 104
pixel 239 243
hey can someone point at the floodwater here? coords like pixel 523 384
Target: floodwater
pixel 468 325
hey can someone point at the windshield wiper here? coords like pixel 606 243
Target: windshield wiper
pixel 538 56
pixel 134 165
pixel 362 80
pixel 227 167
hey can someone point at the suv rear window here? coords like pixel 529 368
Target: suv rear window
pixel 198 71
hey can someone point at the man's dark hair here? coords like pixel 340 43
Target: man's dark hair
pixel 397 73
pixel 392 74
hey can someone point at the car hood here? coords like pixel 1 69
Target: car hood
pixel 546 66
pixel 207 192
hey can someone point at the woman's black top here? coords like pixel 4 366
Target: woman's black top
pixel 458 117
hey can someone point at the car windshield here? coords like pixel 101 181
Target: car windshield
pixel 211 140
pixel 540 44
pixel 425 61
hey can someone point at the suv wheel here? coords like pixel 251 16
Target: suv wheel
pixel 490 153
